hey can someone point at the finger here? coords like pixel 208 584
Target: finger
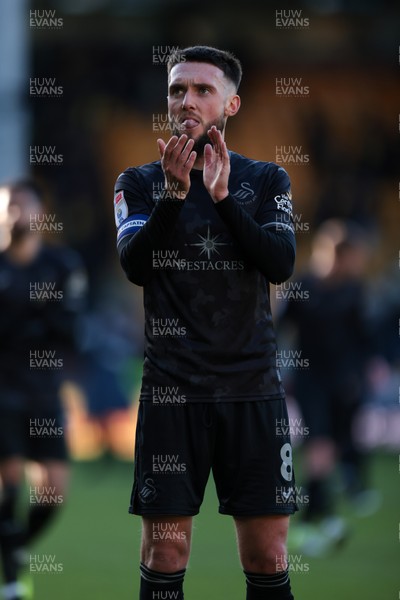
pixel 169 147
pixel 190 161
pixel 214 132
pixel 211 133
pixel 216 138
pixel 161 147
pixel 225 153
pixel 219 140
pixel 186 151
pixel 179 146
pixel 208 154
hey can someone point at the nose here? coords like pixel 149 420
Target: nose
pixel 188 100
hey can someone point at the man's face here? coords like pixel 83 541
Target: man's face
pixel 23 205
pixel 199 96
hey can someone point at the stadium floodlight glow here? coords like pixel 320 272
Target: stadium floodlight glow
pixel 5 234
pixel 4 202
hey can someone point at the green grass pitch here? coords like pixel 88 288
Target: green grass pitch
pixel 96 543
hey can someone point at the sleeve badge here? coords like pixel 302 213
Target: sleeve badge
pixel 120 208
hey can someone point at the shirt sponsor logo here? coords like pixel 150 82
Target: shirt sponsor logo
pixel 209 244
pixel 209 247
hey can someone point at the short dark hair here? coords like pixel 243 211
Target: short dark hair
pixel 223 59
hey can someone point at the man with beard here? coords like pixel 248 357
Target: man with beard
pixel 204 231
pixel 42 289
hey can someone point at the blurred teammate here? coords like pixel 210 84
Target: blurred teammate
pixel 41 294
pixel 198 230
pixel 333 334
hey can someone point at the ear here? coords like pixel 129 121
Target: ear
pixel 232 105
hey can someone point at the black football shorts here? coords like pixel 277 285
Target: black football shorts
pixel 241 442
pixel 34 435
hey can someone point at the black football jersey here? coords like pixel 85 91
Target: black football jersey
pixel 39 305
pixel 209 334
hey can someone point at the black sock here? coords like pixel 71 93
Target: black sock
pixel 268 587
pixel 39 517
pixel 159 586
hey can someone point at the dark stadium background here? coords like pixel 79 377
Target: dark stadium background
pixel 347 55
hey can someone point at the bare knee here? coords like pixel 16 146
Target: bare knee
pixel 262 543
pixel 166 545
pixel 49 480
pixel 166 558
pixel 269 560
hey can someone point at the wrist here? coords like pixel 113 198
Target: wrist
pixel 172 193
pixel 174 190
pixel 220 196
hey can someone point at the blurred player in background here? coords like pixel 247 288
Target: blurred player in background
pixel 204 231
pixel 42 289
pixel 333 333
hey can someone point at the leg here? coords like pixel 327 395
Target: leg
pixel 177 436
pixel 262 543
pixel 262 551
pixel 253 471
pixel 319 407
pixel 11 475
pixel 50 479
pixel 324 528
pixel 164 555
pixel 319 459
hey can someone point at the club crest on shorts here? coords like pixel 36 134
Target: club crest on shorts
pixel 148 492
pixel 120 208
